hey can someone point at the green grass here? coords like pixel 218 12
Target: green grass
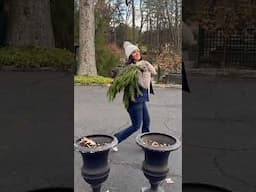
pixel 90 80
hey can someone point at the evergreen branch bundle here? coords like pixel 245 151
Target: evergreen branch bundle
pixel 128 82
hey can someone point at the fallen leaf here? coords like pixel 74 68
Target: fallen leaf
pixel 169 180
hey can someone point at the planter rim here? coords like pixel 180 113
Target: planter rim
pixel 108 146
pixel 172 147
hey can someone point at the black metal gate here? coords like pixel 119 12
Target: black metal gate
pixel 235 51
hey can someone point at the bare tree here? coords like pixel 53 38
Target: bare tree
pixel 87 62
pixel 163 22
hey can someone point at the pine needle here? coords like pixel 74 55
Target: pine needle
pixel 128 82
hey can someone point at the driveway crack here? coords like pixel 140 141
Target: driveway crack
pixel 227 175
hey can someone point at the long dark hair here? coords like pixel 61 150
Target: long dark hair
pixel 131 60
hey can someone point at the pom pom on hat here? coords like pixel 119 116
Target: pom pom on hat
pixel 129 48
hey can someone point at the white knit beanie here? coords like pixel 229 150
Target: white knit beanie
pixel 129 48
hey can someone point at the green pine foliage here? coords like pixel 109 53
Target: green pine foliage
pixel 128 82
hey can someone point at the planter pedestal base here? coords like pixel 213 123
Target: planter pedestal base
pixel 146 189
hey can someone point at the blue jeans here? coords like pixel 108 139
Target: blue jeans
pixel 139 115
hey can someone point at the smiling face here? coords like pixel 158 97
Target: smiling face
pixel 136 55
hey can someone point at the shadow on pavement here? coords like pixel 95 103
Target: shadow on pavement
pixel 53 190
pixel 201 187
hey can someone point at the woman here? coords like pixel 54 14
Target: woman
pixel 137 109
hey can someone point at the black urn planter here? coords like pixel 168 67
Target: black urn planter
pixel 155 164
pixel 96 168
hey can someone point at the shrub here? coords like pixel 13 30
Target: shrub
pixel 106 60
pixel 36 57
pixel 88 80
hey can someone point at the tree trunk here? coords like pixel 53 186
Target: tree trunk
pixel 29 23
pixel 63 30
pixel 150 34
pixel 158 34
pixel 87 62
pixel 141 22
pixel 2 23
pixel 133 21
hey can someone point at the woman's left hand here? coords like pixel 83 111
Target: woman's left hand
pixel 151 68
